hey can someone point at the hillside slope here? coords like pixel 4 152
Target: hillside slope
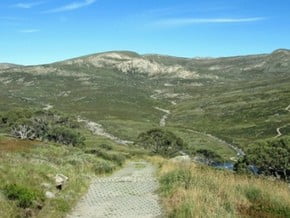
pixel 237 99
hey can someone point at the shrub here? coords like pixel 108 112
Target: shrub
pixel 61 204
pixel 161 142
pixel 42 125
pixel 253 194
pixel 11 117
pixel 114 157
pixel 211 155
pixel 104 167
pixel 65 136
pixel 23 195
pixel 271 158
pixel 106 147
pixel 181 178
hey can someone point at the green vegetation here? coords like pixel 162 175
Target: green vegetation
pixel 108 155
pixel 213 104
pixel 25 197
pixel 240 99
pixel 65 136
pixel 190 190
pixel 210 155
pixel 103 167
pixel 28 169
pixel 161 142
pixel 42 125
pixel 271 158
pixel 264 204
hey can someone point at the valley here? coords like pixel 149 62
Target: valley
pixel 112 118
pixel 236 99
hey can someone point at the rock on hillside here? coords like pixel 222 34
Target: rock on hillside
pixel 128 63
pixel 160 66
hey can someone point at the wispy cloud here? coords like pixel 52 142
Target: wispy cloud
pixel 176 22
pixel 72 6
pixel 177 10
pixel 27 5
pixel 29 31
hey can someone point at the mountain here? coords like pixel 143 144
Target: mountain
pixel 210 102
pixel 4 66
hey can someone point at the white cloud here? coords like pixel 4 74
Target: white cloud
pixel 26 5
pixel 175 22
pixel 72 6
pixel 29 31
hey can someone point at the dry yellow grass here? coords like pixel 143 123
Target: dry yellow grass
pixel 14 145
pixel 190 190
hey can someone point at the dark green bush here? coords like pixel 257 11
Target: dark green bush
pixel 11 117
pixel 271 158
pixel 161 142
pixel 23 195
pixel 42 125
pixel 65 136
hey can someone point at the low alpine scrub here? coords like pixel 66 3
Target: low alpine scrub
pixel 270 158
pixel 24 197
pixel 191 190
pixel 42 125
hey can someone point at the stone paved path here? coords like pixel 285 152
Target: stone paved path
pixel 129 193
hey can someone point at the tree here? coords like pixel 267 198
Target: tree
pixel 42 125
pixel 65 136
pixel 23 131
pixel 271 158
pixel 161 142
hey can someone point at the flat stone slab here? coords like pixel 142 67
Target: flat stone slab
pixel 128 193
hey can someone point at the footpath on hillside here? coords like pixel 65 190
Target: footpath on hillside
pixel 128 193
pixel 278 130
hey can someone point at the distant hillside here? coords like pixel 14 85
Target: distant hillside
pixel 7 65
pixel 235 99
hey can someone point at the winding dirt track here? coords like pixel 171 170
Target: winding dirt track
pixel 164 117
pixel 129 193
pixel 240 152
pixel 98 129
pixel 278 130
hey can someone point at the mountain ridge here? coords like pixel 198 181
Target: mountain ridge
pixel 170 66
pixel 133 53
pixel 237 99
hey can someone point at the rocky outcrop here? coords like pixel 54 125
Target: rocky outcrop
pixel 135 64
pixel 60 181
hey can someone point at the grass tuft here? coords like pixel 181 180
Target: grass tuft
pixel 198 191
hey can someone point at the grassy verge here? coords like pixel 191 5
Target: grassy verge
pixel 189 190
pixel 28 170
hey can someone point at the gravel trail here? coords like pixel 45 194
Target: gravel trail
pixel 278 130
pixel 164 117
pixel 128 193
pixel 98 129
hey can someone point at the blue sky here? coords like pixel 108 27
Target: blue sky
pixel 43 31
